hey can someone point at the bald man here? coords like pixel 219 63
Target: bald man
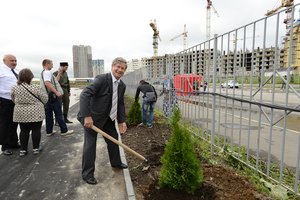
pixel 8 128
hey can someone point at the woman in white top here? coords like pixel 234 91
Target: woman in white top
pixel 29 110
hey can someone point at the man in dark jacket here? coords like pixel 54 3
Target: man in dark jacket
pixel 101 103
pixel 63 79
pixel 147 104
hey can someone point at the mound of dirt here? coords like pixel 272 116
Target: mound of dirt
pixel 220 182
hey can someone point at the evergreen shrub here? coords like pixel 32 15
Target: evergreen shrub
pixel 181 169
pixel 135 114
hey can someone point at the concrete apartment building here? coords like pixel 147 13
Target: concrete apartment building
pixel 155 68
pixel 82 61
pixel 133 64
pixel 201 62
pixel 230 64
pixel 295 51
pixel 98 67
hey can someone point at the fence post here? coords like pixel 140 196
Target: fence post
pixel 214 92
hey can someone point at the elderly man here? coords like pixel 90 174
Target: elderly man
pixel 8 128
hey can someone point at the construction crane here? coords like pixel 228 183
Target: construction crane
pixel 156 37
pixel 184 35
pixel 284 4
pixel 234 40
pixel 208 16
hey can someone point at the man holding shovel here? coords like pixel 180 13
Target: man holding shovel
pixel 101 103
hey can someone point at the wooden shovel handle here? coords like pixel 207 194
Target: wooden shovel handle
pixel 118 143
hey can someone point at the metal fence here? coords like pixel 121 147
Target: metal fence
pixel 256 117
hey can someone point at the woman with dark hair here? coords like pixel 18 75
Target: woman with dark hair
pixel 29 110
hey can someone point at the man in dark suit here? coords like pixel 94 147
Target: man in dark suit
pixel 101 103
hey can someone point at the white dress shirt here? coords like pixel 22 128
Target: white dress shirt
pixel 7 81
pixel 114 78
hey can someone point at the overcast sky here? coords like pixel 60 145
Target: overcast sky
pixel 37 29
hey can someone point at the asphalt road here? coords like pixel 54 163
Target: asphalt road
pixel 56 172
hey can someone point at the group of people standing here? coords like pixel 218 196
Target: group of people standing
pixel 27 104
pixel 55 92
pixel 101 105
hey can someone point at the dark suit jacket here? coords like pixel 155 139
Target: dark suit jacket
pixel 96 100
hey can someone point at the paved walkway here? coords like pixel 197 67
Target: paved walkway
pixel 56 172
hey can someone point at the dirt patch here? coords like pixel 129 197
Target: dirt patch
pixel 220 182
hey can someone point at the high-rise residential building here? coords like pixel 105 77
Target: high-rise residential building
pixel 82 61
pixel 98 67
pixel 133 65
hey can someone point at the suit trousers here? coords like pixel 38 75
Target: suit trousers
pixel 8 128
pixel 89 148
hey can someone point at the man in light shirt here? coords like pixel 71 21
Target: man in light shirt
pixel 52 87
pixel 8 128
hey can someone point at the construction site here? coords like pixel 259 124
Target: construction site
pixel 237 92
pixel 237 52
pixel 257 116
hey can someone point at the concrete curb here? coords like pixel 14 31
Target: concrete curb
pixel 127 177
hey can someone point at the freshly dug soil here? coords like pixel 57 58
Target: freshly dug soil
pixel 220 182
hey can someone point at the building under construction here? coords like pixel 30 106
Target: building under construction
pixel 294 47
pixel 233 61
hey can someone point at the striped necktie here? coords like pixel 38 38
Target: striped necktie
pixel 114 106
pixel 13 71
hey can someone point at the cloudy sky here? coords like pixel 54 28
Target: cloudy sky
pixel 37 29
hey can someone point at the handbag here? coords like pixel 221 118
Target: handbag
pixel 150 96
pixel 51 95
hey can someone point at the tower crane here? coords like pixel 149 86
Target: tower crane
pixel 184 35
pixel 155 37
pixel 208 16
pixel 284 4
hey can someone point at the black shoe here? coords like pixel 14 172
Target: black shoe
pixel 120 166
pixel 90 180
pixel 7 152
pixel 68 121
pixel 23 153
pixel 16 146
